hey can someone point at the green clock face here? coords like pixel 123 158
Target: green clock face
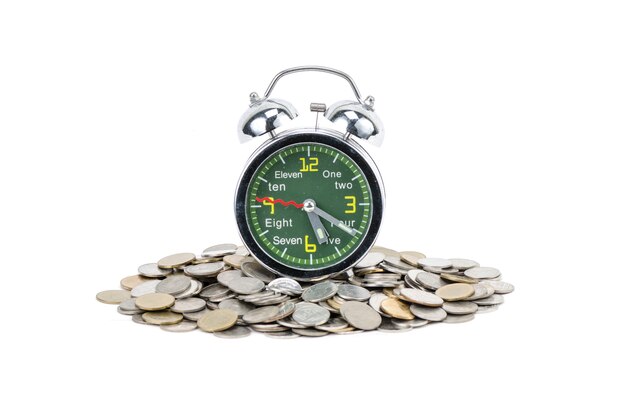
pixel 308 206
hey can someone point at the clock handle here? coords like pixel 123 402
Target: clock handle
pixel 324 69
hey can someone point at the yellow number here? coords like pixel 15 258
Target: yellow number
pixel 269 203
pixel 309 247
pixel 311 166
pixel 351 204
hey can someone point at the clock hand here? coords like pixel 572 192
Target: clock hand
pixel 318 228
pixel 310 207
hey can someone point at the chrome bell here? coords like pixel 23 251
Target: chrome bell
pixel 358 119
pixel 263 116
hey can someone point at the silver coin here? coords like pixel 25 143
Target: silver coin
pixel 285 286
pixel 333 324
pixel 352 292
pixel 194 288
pixel 129 306
pixel 397 263
pixel 459 318
pixel 481 291
pixel 220 250
pixel 226 276
pixel 428 280
pixel 439 270
pixel 375 300
pixel 360 315
pixel 371 259
pixel 289 323
pixel 261 315
pixel 487 308
pixel 129 312
pixel 320 291
pixel 195 316
pixel 393 269
pixel 182 326
pixel 138 318
pixel 324 304
pixel 284 310
pixel 420 297
pixel 434 262
pixel 491 300
pixel 255 270
pixel 310 314
pixel 283 335
pixel 500 287
pixel 236 331
pixel 462 307
pixel 204 269
pixel 428 313
pixel 236 305
pixel 387 326
pixel 188 305
pixel 241 251
pixel 413 323
pixel 464 264
pixel 482 272
pixel 174 285
pixel 145 288
pixel 246 285
pixel 213 290
pixel 310 332
pixel 268 327
pixel 153 270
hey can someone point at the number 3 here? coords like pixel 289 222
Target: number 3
pixel 351 203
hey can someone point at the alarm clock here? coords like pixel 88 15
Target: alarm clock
pixel 310 201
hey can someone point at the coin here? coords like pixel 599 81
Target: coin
pixel 388 326
pixel 129 306
pixel 225 277
pixel 236 305
pixel 411 324
pixel 352 292
pixel 396 309
pixel 320 291
pixel 174 284
pixel 310 314
pixel 113 297
pixel 371 259
pixel 182 326
pixel 213 290
pixel 375 300
pixel 451 277
pixel 397 263
pixel 220 250
pixel 261 315
pixel 195 316
pixel 434 262
pixel 153 270
pixel 246 285
pixel 387 252
pixel 459 318
pixel 500 287
pixel 491 300
pixel 164 317
pixel 236 261
pixel 312 332
pixel 420 297
pixel 285 286
pixel 462 307
pixel 217 320
pixel 176 260
pixel 428 313
pixel 283 335
pixel 131 281
pixel 482 272
pixel 255 270
pixel 188 305
pixel 204 269
pixel 138 318
pixel 463 264
pixel 360 315
pixel 145 288
pixel 333 325
pixel 154 301
pixel 481 291
pixel 234 332
pixel 428 280
pixel 455 291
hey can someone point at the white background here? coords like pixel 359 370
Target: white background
pixel 505 129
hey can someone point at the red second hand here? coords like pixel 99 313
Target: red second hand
pixel 280 201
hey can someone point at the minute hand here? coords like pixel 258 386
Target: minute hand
pixel 334 221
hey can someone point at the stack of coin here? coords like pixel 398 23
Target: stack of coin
pixel 224 291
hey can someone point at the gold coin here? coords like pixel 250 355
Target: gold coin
pixel 164 317
pixel 131 281
pixel 333 304
pixel 154 301
pixel 389 291
pixel 113 297
pixel 396 309
pixel 217 320
pixel 176 260
pixel 411 257
pixel 236 260
pixel 455 291
pixel 450 277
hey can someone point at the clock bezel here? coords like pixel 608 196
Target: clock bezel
pixel 333 139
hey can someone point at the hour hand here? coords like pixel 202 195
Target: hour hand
pixel 318 228
pixel 334 221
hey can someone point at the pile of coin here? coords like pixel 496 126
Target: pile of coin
pixel 228 293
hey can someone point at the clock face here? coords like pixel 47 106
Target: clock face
pixel 309 205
